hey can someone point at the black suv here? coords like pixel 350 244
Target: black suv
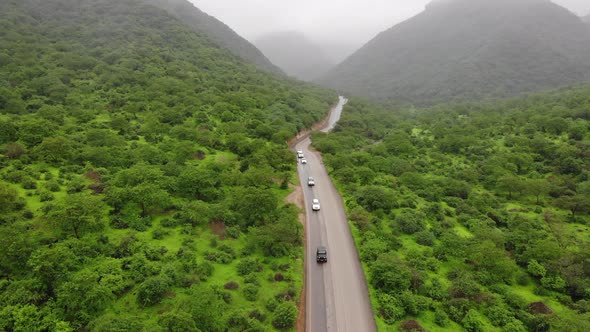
pixel 321 255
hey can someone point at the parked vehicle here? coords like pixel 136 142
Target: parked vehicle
pixel 304 161
pixel 310 181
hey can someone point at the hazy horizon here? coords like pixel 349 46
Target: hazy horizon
pixel 328 21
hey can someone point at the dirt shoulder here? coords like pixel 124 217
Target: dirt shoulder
pixel 296 198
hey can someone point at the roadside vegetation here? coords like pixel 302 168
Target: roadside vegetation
pixel 142 175
pixel 470 217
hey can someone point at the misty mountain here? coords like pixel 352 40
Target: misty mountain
pixel 338 51
pixel 469 49
pixel 586 19
pixel 217 31
pixel 295 54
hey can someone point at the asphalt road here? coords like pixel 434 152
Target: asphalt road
pixel 337 298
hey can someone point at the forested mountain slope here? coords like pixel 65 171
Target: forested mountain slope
pixel 295 54
pixel 142 171
pixel 217 31
pixel 470 49
pixel 470 217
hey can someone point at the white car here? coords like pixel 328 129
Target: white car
pixel 315 204
pixel 299 154
pixel 304 161
pixel 310 181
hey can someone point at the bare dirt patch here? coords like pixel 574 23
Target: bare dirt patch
pixel 93 175
pixel 218 228
pixel 411 326
pixel 199 155
pixel 539 308
pixel 296 197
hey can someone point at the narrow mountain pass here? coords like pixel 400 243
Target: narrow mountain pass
pixel 337 298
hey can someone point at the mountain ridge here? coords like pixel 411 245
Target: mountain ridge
pixel 455 49
pixel 219 32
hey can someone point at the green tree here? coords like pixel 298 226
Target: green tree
pixel 32 131
pixel 576 204
pixel 374 198
pixel 197 213
pixel 52 265
pixel 91 290
pixel 8 132
pixel 493 261
pixel 150 197
pixel 79 214
pixel 200 183
pixel 389 274
pixel 285 316
pixel 8 198
pixel 177 321
pixel 278 238
pixel 390 308
pixel 472 322
pixel 152 290
pixel 536 269
pixel 537 188
pixel 205 308
pixel 17 242
pixel 54 150
pixel 255 206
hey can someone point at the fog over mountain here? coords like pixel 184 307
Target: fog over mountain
pixel 217 31
pixel 327 22
pixel 469 49
pixel 295 54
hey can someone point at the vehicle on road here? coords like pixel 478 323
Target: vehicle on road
pixel 299 154
pixel 304 161
pixel 310 181
pixel 315 204
pixel 321 255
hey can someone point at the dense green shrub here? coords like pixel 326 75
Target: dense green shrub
pixel 251 292
pixel 247 266
pixel 390 309
pixel 285 315
pixel 410 222
pixel 152 290
pixel 425 238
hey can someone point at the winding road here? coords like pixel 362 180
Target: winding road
pixel 337 298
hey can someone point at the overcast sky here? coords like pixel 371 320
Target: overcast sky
pixel 325 20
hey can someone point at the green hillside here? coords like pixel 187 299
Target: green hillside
pixel 142 175
pixel 470 217
pixel 470 50
pixel 216 31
